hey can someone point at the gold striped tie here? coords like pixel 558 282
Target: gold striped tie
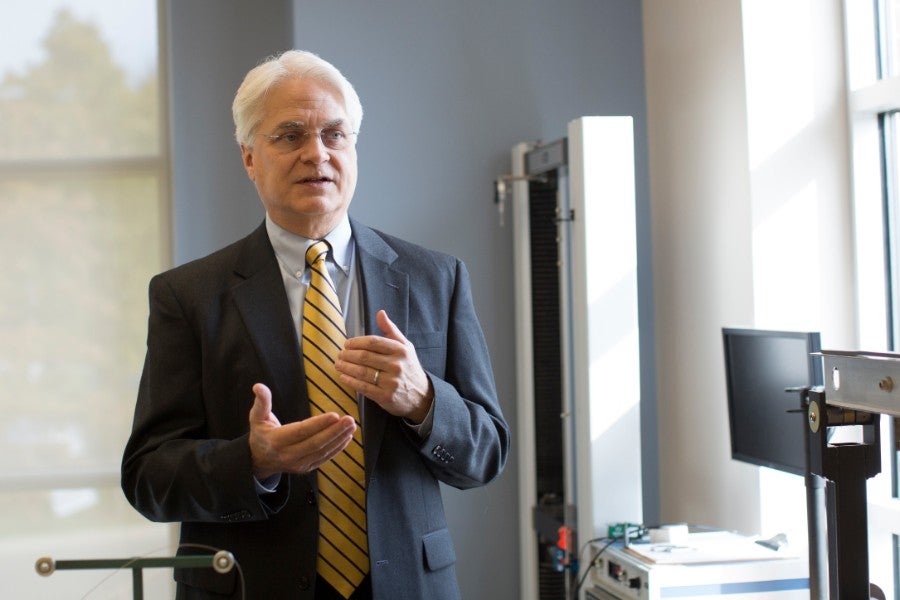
pixel 343 548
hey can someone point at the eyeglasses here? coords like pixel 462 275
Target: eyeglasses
pixel 293 139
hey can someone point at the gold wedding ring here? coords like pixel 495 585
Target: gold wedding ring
pixel 375 377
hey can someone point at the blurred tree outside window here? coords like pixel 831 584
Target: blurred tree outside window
pixel 82 230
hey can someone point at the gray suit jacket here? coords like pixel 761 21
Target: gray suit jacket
pixel 222 323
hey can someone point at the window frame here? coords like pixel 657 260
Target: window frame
pixel 874 127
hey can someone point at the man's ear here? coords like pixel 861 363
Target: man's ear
pixel 247 159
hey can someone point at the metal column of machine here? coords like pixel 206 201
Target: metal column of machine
pixel 572 210
pixel 858 387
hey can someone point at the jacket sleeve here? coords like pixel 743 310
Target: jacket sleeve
pixel 469 441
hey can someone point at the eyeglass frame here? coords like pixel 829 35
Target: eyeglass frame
pixel 297 128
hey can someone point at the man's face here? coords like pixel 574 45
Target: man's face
pixel 306 187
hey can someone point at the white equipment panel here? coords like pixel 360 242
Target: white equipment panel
pixel 621 574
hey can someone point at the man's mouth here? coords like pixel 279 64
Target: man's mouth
pixel 315 180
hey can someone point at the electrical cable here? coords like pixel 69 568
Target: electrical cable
pixel 591 565
pixel 120 569
pixel 640 530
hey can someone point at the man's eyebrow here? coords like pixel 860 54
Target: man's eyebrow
pixel 291 125
pixel 301 125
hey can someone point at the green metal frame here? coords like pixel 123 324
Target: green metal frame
pixel 220 561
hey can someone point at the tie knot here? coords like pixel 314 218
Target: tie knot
pixel 317 252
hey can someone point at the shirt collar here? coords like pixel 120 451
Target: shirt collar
pixel 290 248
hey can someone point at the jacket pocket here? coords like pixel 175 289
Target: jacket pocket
pixel 431 348
pixel 208 580
pixel 438 549
pixel 426 339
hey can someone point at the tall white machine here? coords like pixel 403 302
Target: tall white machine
pixel 572 209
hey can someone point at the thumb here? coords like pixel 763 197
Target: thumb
pixel 387 327
pixel 261 411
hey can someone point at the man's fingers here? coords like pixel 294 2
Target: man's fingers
pixel 323 438
pixel 333 448
pixel 388 328
pixel 261 411
pixel 297 447
pixel 312 426
pixel 367 349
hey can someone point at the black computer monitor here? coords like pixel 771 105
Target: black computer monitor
pixel 766 422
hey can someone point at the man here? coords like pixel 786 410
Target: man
pixel 230 437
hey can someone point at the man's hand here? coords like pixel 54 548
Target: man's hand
pixel 298 447
pixel 387 370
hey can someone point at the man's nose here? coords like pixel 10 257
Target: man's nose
pixel 314 150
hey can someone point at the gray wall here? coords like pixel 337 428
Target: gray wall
pixel 212 45
pixel 447 88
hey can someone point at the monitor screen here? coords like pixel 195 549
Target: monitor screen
pixel 766 421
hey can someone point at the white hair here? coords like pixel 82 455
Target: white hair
pixel 247 108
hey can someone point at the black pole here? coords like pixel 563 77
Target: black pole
pixel 137 583
pixel 845 467
pixel 852 524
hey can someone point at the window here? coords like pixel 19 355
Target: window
pixel 82 222
pixel 873 60
pixel 888 22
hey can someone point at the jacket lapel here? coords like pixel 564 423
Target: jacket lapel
pixel 381 287
pixel 261 300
